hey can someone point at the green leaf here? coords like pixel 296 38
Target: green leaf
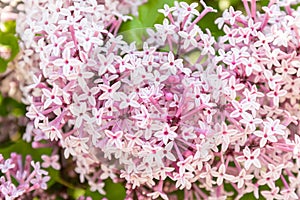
pixel 208 21
pixel 135 30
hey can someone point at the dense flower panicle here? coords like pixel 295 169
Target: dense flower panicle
pixel 146 116
pixel 18 179
pixel 263 58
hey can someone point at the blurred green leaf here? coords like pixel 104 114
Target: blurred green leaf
pixel 250 196
pixel 1 100
pixel 94 195
pixel 11 106
pixel 148 13
pixel 9 40
pixel 3 65
pixel 76 193
pixel 54 176
pixel 114 191
pixel 133 31
pixel 23 148
pixel 10 26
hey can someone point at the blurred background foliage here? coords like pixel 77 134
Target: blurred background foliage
pixel 9 43
pixel 12 111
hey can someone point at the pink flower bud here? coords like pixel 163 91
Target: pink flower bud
pixel 169 96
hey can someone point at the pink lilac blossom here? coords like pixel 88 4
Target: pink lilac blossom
pixel 18 179
pixel 155 120
pixel 8 11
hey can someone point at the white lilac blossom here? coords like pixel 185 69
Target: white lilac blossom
pixel 154 119
pixel 8 11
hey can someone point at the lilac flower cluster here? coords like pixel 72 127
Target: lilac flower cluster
pixel 259 54
pixel 156 118
pixel 18 180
